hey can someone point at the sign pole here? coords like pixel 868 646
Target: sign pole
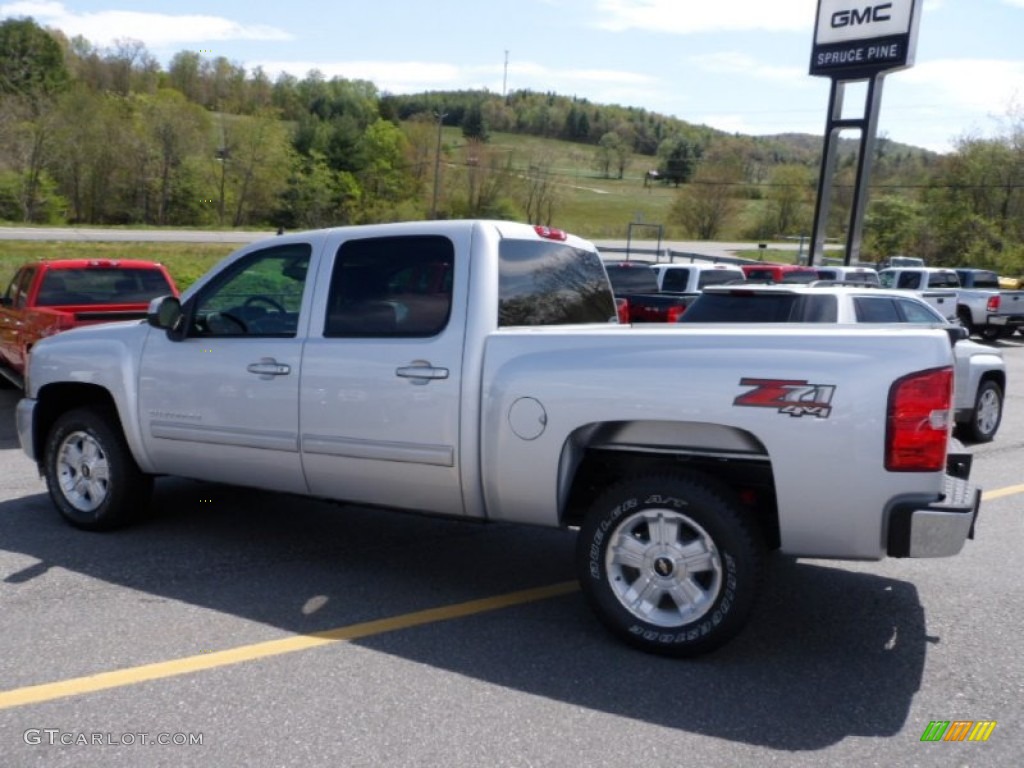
pixel 856 41
pixel 865 158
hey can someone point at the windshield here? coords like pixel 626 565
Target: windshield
pixel 93 286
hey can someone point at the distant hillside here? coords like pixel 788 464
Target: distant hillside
pixel 549 115
pixel 811 144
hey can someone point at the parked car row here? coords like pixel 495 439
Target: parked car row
pixel 980 373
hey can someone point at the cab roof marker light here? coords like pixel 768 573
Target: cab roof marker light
pixel 548 233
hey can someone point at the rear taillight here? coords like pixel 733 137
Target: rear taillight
pixel 674 313
pixel 918 421
pixel 993 303
pixel 622 310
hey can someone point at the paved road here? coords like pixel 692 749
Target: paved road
pixel 210 611
pixel 710 249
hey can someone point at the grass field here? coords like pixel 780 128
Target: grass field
pixel 592 206
pixel 185 261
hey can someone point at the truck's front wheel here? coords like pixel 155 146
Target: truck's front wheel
pixel 669 564
pixel 987 413
pixel 90 473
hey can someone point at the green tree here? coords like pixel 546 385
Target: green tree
pixel 31 60
pixel 175 130
pixel 385 179
pixel 891 226
pixel 254 168
pixel 678 158
pixel 473 124
pixel 318 196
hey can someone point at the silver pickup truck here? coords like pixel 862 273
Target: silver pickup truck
pixel 977 301
pixel 476 369
pixel 985 307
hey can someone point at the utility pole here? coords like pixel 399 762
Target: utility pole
pixel 437 162
pixel 504 79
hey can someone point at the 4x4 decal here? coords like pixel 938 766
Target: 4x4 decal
pixel 796 398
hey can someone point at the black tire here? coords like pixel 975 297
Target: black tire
pixel 986 414
pixel 92 478
pixel 691 610
pixel 964 315
pixel 990 332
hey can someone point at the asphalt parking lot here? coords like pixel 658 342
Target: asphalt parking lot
pixel 245 628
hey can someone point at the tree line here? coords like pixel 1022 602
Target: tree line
pixel 109 136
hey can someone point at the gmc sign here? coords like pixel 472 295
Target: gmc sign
pixel 868 15
pixel 858 38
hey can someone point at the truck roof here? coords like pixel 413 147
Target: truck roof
pixel 97 263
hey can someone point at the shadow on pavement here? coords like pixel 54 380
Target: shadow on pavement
pixel 829 653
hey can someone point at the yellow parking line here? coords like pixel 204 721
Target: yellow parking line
pixel 35 694
pixel 1001 492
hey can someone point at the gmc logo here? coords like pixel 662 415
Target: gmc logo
pixel 868 15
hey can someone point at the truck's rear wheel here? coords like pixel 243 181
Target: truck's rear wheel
pixel 90 473
pixel 669 564
pixel 991 332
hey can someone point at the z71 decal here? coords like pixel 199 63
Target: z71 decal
pixel 796 398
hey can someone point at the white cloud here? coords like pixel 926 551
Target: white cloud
pixel 733 62
pixel 674 16
pixel 970 84
pixel 154 29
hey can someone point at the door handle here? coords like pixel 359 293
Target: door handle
pixel 421 372
pixel 268 367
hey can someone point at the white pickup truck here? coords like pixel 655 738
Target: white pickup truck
pixel 938 286
pixel 694 277
pixel 980 304
pixel 475 369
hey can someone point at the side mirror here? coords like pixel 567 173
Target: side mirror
pixel 957 333
pixel 165 313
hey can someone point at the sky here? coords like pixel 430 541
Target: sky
pixel 740 66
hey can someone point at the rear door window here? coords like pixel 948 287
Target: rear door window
pixel 675 279
pixel 391 287
pixel 876 309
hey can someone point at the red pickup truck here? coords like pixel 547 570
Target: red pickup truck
pixel 48 297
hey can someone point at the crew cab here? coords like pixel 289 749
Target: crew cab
pixel 980 372
pixel 849 274
pixel 693 278
pixel 48 297
pixel 635 286
pixel 985 307
pixel 935 285
pixel 469 369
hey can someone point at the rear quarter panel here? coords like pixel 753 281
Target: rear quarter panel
pixel 831 482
